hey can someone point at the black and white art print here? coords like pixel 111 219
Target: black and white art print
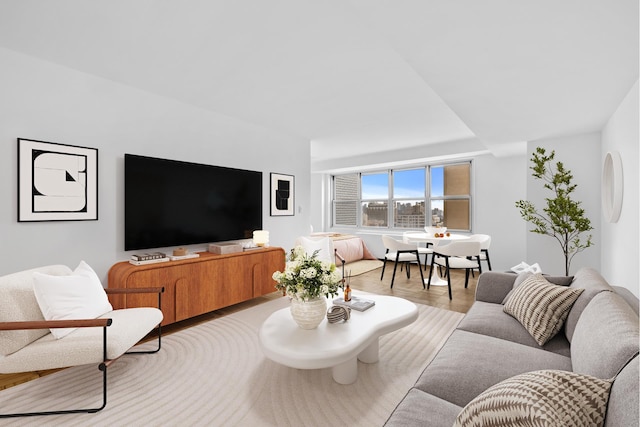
pixel 56 182
pixel 282 192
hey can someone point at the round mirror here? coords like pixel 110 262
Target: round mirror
pixel 612 187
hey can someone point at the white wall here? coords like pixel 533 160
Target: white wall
pixel 620 240
pixel 581 155
pixel 47 102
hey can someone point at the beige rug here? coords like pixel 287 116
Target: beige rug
pixel 214 374
pixel 362 266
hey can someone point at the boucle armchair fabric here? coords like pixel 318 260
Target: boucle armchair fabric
pixel 84 345
pixel 18 303
pixel 33 350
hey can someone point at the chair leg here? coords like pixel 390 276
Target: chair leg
pixel 395 266
pixel 430 273
pixel 420 269
pixel 151 351
pixel 384 264
pixel 466 277
pixel 408 270
pixel 448 278
pixel 486 253
pixel 102 367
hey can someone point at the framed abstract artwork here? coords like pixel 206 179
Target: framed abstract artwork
pixel 282 192
pixel 56 182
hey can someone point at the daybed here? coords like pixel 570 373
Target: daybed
pixel 492 350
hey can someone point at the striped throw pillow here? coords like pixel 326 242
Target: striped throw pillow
pixel 541 307
pixel 541 398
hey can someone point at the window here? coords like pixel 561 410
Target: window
pixel 451 196
pixel 345 200
pixel 409 198
pixel 429 195
pixel 375 200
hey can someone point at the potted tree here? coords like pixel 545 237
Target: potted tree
pixel 562 218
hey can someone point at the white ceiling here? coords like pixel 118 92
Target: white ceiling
pixel 360 75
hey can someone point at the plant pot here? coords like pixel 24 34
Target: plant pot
pixel 309 314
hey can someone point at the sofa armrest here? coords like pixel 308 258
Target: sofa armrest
pixel 494 286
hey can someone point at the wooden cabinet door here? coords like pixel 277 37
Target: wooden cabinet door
pixel 263 266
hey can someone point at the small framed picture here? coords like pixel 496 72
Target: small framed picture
pixel 56 182
pixel 282 195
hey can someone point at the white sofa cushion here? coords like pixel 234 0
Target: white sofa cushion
pixel 84 345
pixel 76 296
pixel 18 303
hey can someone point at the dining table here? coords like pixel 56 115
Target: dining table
pixel 423 237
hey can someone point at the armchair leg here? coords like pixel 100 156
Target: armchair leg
pixel 103 368
pixel 150 351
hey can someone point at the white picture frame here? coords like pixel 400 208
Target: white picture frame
pixel 282 194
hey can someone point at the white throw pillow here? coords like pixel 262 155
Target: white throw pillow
pixel 78 296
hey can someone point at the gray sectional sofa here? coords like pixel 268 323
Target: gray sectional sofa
pixel 599 338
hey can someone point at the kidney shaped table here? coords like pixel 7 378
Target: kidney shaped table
pixel 335 345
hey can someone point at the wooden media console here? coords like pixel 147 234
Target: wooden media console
pixel 198 285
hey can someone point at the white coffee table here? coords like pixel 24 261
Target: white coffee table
pixel 335 345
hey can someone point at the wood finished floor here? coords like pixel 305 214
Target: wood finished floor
pixel 408 288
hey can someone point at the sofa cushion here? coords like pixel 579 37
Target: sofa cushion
pixel 76 296
pixel 549 397
pixel 540 306
pixel 18 303
pixel 592 283
pixel 422 409
pixel 606 336
pixel 470 363
pixel 490 319
pixel 493 286
pixel 624 400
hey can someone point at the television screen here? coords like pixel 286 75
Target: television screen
pixel 172 203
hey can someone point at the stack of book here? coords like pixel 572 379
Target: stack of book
pixel 356 303
pixel 148 258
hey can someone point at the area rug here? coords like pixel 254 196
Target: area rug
pixel 362 266
pixel 214 374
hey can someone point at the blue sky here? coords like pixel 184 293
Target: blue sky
pixel 407 183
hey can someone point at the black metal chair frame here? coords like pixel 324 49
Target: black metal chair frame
pixel 408 263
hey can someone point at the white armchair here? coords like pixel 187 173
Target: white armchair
pixel 28 344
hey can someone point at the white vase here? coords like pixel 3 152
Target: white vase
pixel 309 314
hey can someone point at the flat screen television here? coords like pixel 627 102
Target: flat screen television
pixel 173 203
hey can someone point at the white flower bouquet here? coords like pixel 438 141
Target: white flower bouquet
pixel 305 277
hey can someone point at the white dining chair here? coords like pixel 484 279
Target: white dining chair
pixel 422 250
pixel 400 253
pixel 456 255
